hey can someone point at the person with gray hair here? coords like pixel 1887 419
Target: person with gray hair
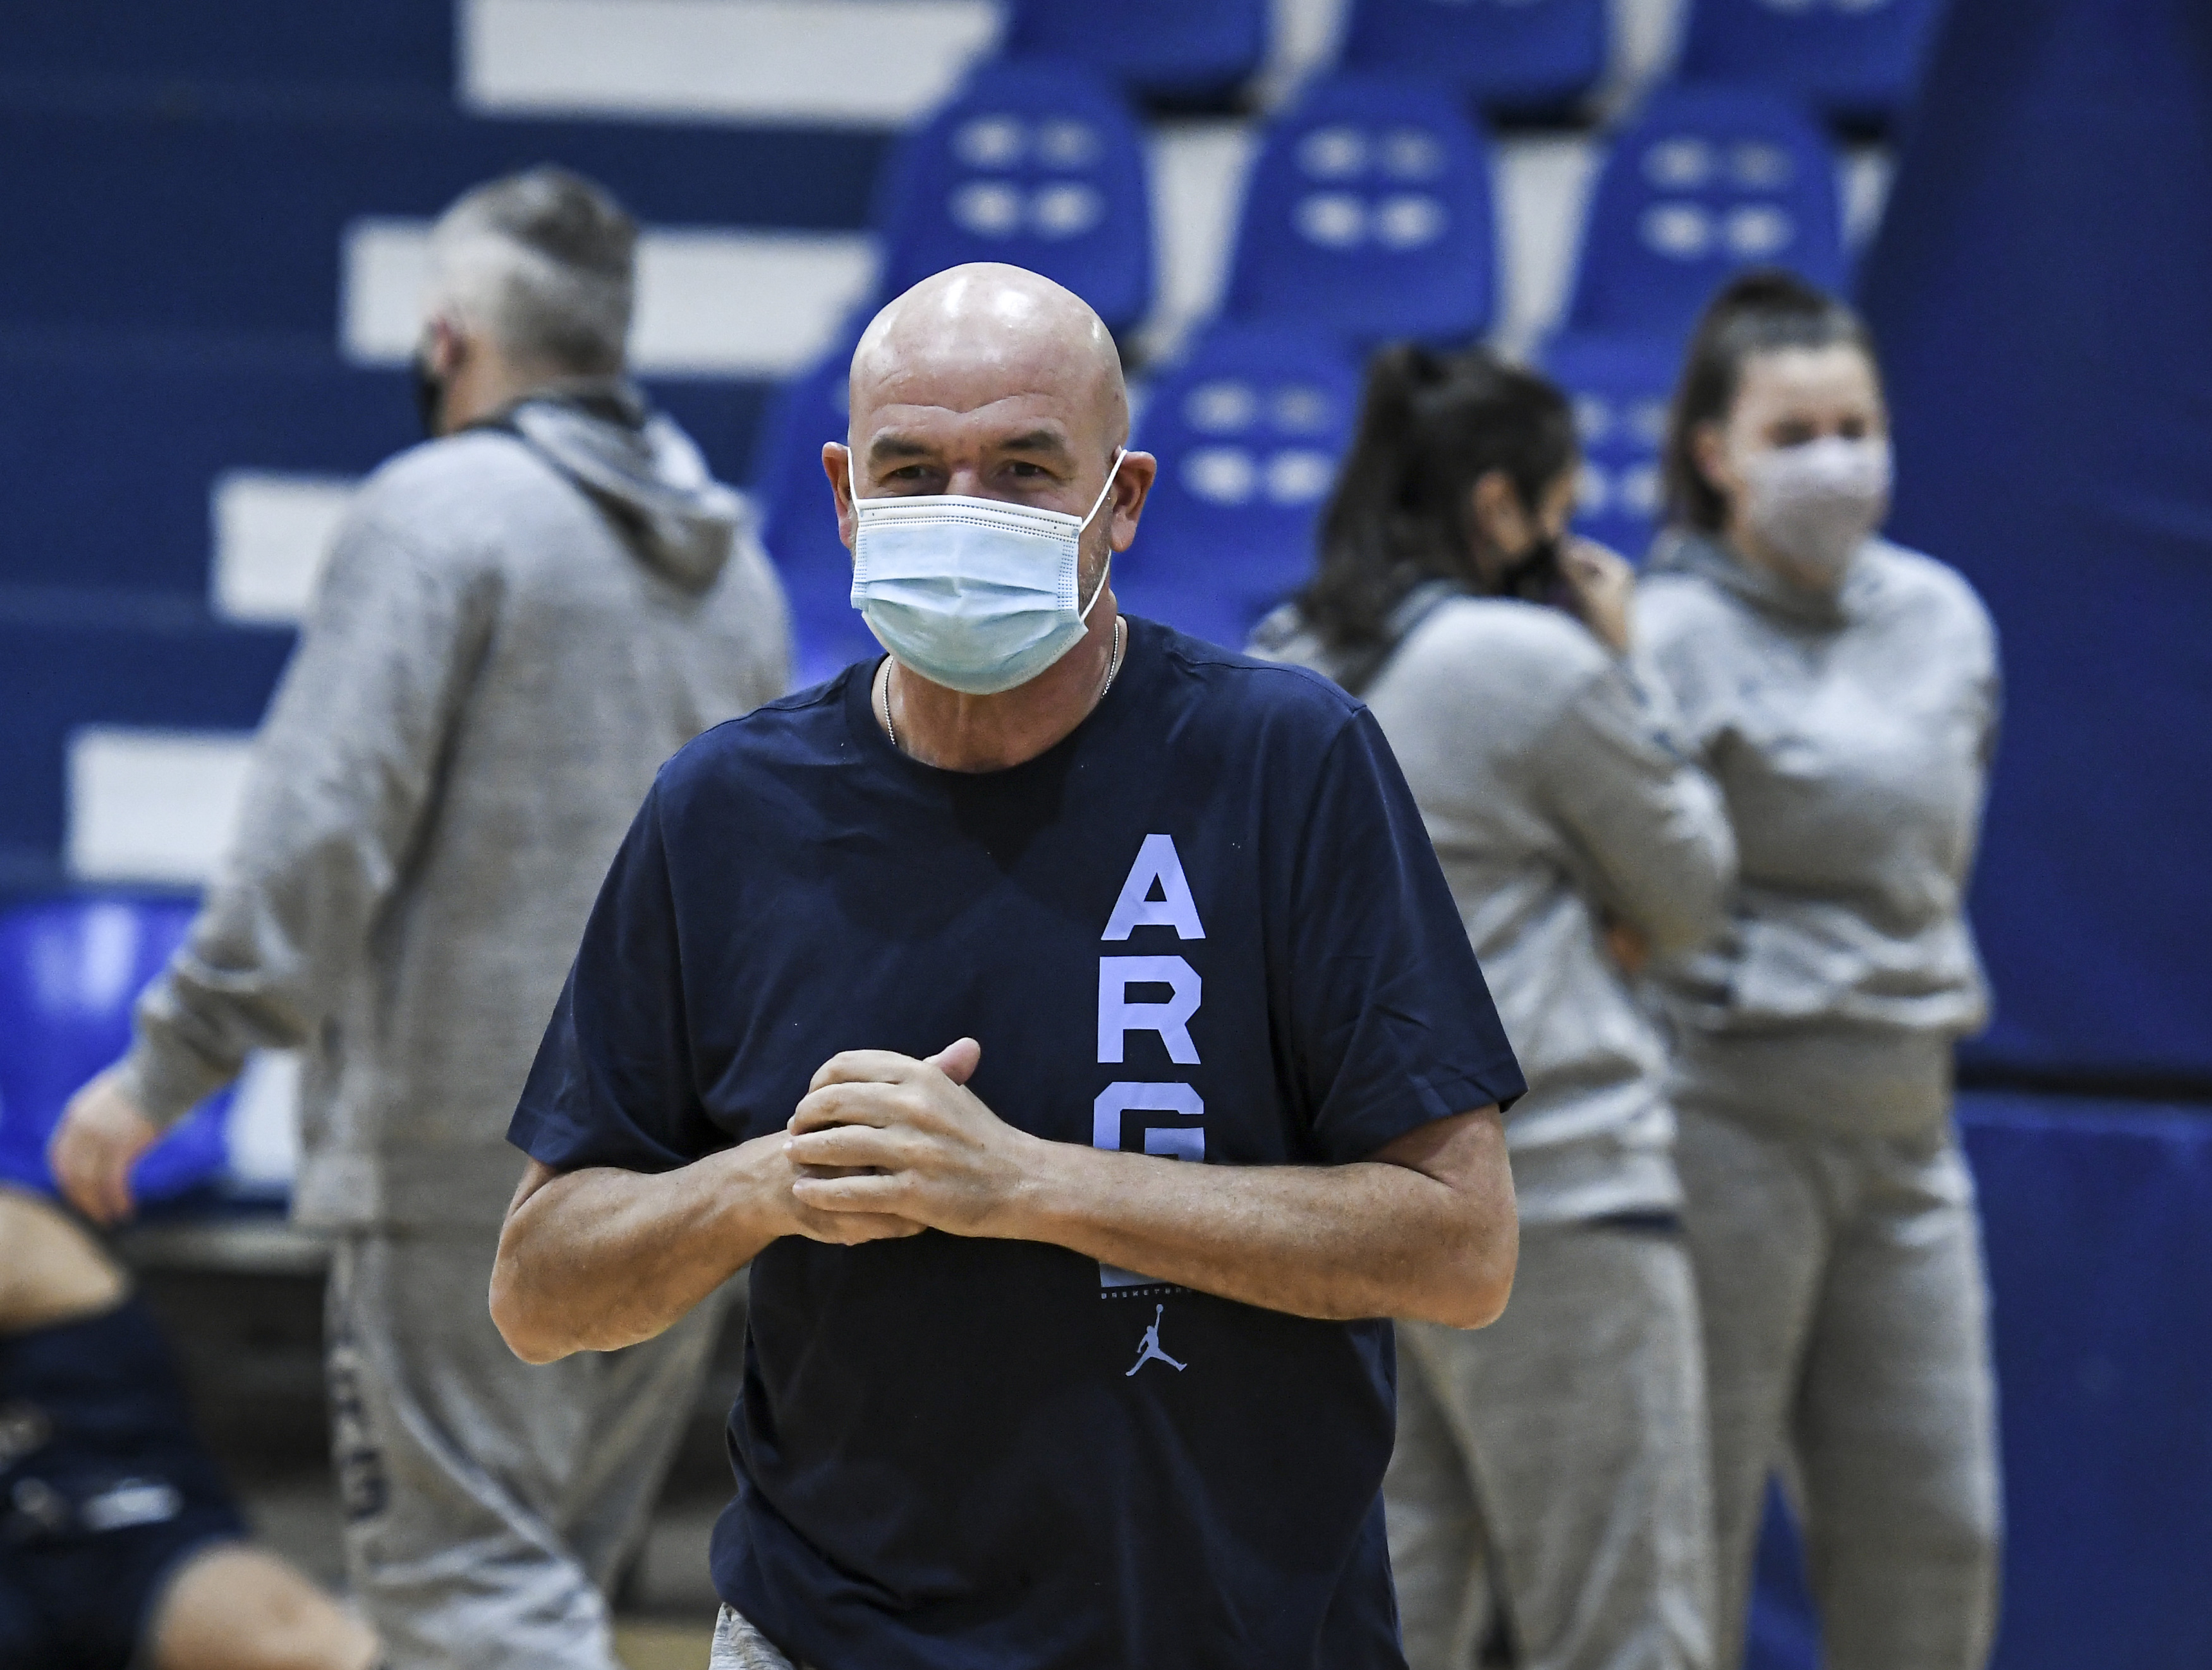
pixel 517 621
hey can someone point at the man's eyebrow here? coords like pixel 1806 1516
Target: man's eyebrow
pixel 897 447
pixel 1036 440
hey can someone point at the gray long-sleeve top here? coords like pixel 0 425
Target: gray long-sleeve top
pixel 509 637
pixel 1852 735
pixel 1545 782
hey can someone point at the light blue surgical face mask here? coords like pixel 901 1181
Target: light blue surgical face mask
pixel 977 595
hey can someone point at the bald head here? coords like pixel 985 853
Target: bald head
pixel 987 335
pixel 989 382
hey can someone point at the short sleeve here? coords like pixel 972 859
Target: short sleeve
pixel 613 1084
pixel 1392 1026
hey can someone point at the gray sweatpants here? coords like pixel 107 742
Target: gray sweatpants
pixel 487 1501
pixel 739 1646
pixel 1556 1459
pixel 1846 1330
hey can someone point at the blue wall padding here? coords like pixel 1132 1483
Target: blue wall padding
pixel 226 218
pixel 2040 290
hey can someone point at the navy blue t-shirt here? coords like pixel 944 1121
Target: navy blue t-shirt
pixel 1207 923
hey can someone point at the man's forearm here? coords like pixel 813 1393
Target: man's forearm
pixel 1372 1239
pixel 600 1258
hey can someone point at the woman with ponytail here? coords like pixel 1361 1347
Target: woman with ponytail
pixel 1549 1486
pixel 1843 692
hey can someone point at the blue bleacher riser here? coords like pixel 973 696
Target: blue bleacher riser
pixel 1369 215
pixel 113 447
pixel 1856 63
pixel 1164 49
pixel 116 667
pixel 397 45
pixel 1525 58
pixel 1034 161
pixel 232 221
pixel 1705 182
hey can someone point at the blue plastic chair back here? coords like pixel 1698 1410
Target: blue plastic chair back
pixel 1857 62
pixel 1369 216
pixel 1705 182
pixel 1035 162
pixel 70 971
pixel 799 518
pixel 1620 386
pixel 1249 429
pixel 1532 56
pixel 1170 49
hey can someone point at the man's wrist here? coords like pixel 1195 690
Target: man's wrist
pixel 751 1191
pixel 1046 1181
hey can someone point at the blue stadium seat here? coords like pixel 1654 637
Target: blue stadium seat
pixel 393 46
pixel 231 221
pixel 1513 57
pixel 102 663
pixel 1705 181
pixel 1620 386
pixel 799 518
pixel 1856 61
pixel 1172 50
pixel 1248 430
pixel 1034 161
pixel 69 971
pixel 1369 215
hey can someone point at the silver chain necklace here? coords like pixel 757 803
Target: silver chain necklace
pixel 1113 666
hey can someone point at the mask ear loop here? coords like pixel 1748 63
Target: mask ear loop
pixel 1099 590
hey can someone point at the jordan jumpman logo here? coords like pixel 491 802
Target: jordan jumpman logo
pixel 1148 1349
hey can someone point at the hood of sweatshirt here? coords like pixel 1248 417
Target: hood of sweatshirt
pixel 1683 551
pixel 642 469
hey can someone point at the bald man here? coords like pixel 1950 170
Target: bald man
pixel 1068 1023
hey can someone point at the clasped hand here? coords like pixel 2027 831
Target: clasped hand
pixel 903 1145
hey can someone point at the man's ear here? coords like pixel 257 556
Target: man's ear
pixel 448 347
pixel 1132 487
pixel 837 465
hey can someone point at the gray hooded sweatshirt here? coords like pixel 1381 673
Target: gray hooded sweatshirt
pixel 516 626
pixel 1546 782
pixel 1852 734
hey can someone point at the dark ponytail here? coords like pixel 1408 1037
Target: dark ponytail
pixel 1431 426
pixel 1759 313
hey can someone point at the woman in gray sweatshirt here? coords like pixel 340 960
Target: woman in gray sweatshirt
pixel 1843 692
pixel 1549 1481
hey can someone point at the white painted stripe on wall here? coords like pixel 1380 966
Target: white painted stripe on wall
pixel 848 63
pixel 152 805
pixel 273 533
pixel 710 301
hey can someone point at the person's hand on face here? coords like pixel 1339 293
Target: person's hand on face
pixel 101 1134
pixel 885 1135
pixel 1604 586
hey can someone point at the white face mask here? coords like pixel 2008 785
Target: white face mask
pixel 1817 503
pixel 977 595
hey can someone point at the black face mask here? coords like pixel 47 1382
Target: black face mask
pixel 1535 576
pixel 430 395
